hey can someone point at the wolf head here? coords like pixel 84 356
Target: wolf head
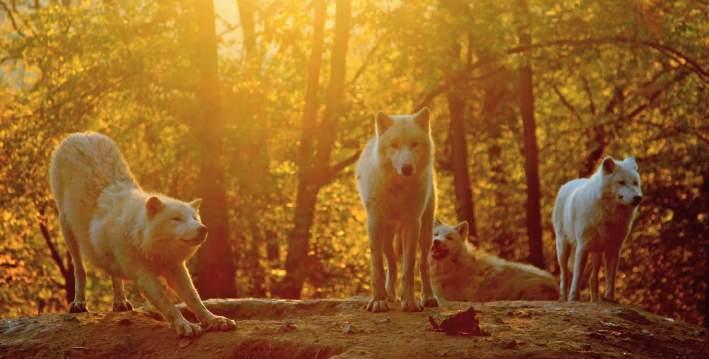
pixel 173 227
pixel 448 241
pixel 404 142
pixel 621 181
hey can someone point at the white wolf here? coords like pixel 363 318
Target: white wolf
pixel 396 184
pixel 595 215
pixel 460 272
pixel 106 217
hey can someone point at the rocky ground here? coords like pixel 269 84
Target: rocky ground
pixel 343 329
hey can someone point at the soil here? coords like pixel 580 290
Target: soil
pixel 343 329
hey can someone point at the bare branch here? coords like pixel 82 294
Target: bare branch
pixel 48 239
pixel 367 60
pixel 662 48
pixel 331 173
pixel 12 18
pixel 589 94
pixel 566 103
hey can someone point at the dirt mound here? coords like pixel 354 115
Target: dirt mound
pixel 342 329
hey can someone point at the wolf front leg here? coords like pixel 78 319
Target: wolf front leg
pixel 410 237
pixel 379 233
pixel 179 280
pixel 156 293
pixel 593 281
pixel 391 267
pixel 611 269
pixel 425 241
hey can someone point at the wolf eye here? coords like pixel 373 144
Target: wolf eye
pixel 621 182
pixel 176 219
pixel 449 238
pixel 635 183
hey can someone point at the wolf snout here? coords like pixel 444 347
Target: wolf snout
pixel 202 231
pixel 407 170
pixel 637 200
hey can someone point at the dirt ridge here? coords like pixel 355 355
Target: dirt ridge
pixel 341 328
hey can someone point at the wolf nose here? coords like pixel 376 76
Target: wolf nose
pixel 407 170
pixel 202 230
pixel 636 200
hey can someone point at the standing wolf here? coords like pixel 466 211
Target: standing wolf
pixel 595 215
pixel 396 185
pixel 106 217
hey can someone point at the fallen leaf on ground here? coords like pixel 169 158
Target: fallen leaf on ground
pixel 461 323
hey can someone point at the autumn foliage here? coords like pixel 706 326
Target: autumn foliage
pixel 264 112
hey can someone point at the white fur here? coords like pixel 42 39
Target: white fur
pixel 460 272
pixel 595 215
pixel 107 218
pixel 396 184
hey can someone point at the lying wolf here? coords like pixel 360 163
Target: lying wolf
pixel 595 215
pixel 106 217
pixel 396 185
pixel 460 272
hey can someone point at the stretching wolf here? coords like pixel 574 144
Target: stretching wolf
pixel 396 184
pixel 106 217
pixel 595 215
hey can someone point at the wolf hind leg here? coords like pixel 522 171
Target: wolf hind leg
pixel 120 302
pixel 78 305
pixel 563 249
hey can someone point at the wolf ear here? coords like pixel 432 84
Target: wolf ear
pixel 423 117
pixel 196 203
pixel 631 160
pixel 382 122
pixel 608 164
pixel 153 205
pixel 462 229
pixel 437 222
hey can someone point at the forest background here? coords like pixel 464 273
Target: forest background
pixel 262 106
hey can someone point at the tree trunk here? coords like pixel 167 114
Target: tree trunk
pixel 306 196
pixel 598 135
pixel 495 111
pixel 464 202
pixel 246 16
pixel 531 164
pixel 314 160
pixel 215 261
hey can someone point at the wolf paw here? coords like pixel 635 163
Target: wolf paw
pixel 411 306
pixel 219 323
pixel 377 305
pixel 430 302
pixel 77 307
pixel 187 329
pixel 124 306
